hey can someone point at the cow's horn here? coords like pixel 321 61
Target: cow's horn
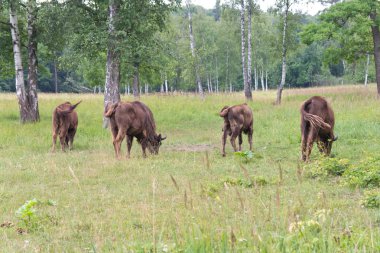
pixel 335 138
pixel 163 137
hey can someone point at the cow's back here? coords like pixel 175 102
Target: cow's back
pixel 242 115
pixel 319 106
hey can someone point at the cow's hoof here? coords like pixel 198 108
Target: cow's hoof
pixel 224 155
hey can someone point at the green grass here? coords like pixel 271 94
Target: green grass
pixel 109 205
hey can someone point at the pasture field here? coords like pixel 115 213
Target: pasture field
pixel 188 198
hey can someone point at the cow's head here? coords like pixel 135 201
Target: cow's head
pixel 328 144
pixel 155 143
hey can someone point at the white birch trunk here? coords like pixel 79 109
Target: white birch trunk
pixel 284 49
pixel 111 87
pixel 217 75
pixel 20 87
pixel 193 53
pixel 34 114
pixel 166 85
pixel 262 79
pixel 249 42
pixel 256 78
pixel 247 90
pixel 136 81
pixel 266 80
pixel 366 71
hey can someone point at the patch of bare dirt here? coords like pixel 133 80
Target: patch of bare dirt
pixel 191 147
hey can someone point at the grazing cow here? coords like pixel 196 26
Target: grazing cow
pixel 133 119
pixel 237 119
pixel 317 124
pixel 65 123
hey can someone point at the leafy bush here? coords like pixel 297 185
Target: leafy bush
pixel 29 216
pixel 246 183
pixel 212 189
pixel 371 198
pixel 327 167
pixel 365 175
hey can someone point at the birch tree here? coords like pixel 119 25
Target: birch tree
pixel 193 51
pixel 286 7
pixel 249 66
pixel 247 90
pixel 111 87
pixel 27 98
pixel 32 61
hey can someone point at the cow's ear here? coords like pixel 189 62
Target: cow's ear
pixel 162 137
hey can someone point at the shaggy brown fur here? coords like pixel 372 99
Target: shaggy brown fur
pixel 133 119
pixel 237 119
pixel 65 123
pixel 317 124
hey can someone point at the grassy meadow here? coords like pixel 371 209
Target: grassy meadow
pixel 188 198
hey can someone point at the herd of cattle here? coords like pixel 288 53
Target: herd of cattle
pixel 135 119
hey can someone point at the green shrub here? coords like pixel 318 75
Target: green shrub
pixel 29 216
pixel 365 175
pixel 246 183
pixel 371 198
pixel 325 167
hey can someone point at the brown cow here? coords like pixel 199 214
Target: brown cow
pixel 237 119
pixel 317 124
pixel 65 123
pixel 133 119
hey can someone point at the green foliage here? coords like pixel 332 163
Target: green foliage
pixel 324 167
pixel 27 212
pixel 31 218
pixel 244 182
pixel 366 174
pixel 371 198
pixel 247 155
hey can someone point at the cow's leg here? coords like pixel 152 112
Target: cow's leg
pixel 129 145
pixel 55 134
pixel 240 140
pixel 235 133
pixel 250 133
pixel 62 138
pixel 143 147
pixel 309 144
pixel 117 142
pixel 114 131
pixel 71 135
pixel 224 138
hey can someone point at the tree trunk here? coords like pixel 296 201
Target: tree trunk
pixel 256 79
pixel 283 69
pixel 217 75
pixel 247 90
pixel 366 71
pixel 266 80
pixel 376 44
pixel 227 68
pixel 262 79
pixel 136 83
pixel 249 42
pixel 55 76
pixel 20 87
pixel 34 114
pixel 166 84
pixel 111 87
pixel 193 53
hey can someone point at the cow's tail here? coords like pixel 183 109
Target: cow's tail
pixel 110 109
pixel 223 113
pixel 69 110
pixel 315 120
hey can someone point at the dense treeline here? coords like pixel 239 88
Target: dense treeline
pixel 72 49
